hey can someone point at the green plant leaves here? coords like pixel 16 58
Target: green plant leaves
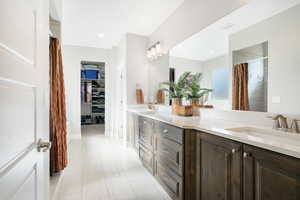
pixel 188 85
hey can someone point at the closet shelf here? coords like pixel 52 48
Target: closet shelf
pixel 93 88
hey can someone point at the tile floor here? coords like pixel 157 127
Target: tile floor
pixel 102 169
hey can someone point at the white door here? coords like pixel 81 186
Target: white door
pixel 121 105
pixel 24 102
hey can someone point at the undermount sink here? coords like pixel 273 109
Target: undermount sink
pixel 266 133
pixel 252 130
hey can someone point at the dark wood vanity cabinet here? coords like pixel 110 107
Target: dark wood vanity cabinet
pixel 270 176
pixel 193 165
pixel 219 168
pixel 169 147
pixel 146 142
pixel 229 170
pixel 161 152
pixel 146 132
pixel 169 159
pixel 147 158
pixel 170 181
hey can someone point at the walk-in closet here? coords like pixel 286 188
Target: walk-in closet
pixel 92 93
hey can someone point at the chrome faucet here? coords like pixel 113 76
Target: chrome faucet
pixel 295 126
pixel 280 123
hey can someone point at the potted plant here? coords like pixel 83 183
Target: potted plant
pixel 176 90
pixel 193 90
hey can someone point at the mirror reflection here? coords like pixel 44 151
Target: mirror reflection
pixel 249 58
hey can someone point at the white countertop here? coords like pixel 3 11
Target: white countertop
pixel 277 141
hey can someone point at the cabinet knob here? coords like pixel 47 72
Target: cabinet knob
pixel 144 122
pixel 43 146
pixel 165 131
pixel 246 154
pixel 233 151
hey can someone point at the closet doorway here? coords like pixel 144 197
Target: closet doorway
pixel 93 95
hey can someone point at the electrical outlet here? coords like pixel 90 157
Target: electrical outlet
pixel 276 99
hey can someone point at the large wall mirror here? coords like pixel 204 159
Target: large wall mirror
pixel 250 58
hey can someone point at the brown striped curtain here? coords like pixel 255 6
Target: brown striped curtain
pixel 240 97
pixel 58 125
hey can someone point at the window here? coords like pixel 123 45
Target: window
pixel 220 83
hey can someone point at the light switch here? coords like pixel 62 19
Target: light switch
pixel 276 99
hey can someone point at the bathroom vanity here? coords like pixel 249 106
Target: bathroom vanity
pixel 197 160
pixel 228 153
pixel 161 148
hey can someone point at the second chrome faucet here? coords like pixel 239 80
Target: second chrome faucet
pixel 281 123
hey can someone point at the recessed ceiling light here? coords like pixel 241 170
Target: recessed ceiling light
pixel 101 35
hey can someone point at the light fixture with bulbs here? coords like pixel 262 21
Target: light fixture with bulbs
pixel 155 51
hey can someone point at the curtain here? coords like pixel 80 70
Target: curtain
pixel 240 97
pixel 160 97
pixel 139 96
pixel 58 125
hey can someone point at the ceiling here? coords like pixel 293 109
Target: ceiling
pixel 84 20
pixel 213 40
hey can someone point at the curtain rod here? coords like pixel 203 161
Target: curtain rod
pixel 253 60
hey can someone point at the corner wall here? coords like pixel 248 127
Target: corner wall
pixel 136 66
pixel 190 18
pixel 72 57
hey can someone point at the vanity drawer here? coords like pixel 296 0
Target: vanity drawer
pixel 147 158
pixel 146 132
pixel 169 154
pixel 145 124
pixel 171 132
pixel 146 139
pixel 169 181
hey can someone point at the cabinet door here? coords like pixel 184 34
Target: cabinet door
pixel 170 181
pixel 220 169
pixel 270 176
pixel 136 133
pixel 169 154
pixel 147 159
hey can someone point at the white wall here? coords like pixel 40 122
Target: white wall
pixel 129 68
pixel 182 65
pixel 136 66
pixel 190 18
pixel 118 86
pixel 72 57
pixel 158 72
pixel 282 33
pixel 126 66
